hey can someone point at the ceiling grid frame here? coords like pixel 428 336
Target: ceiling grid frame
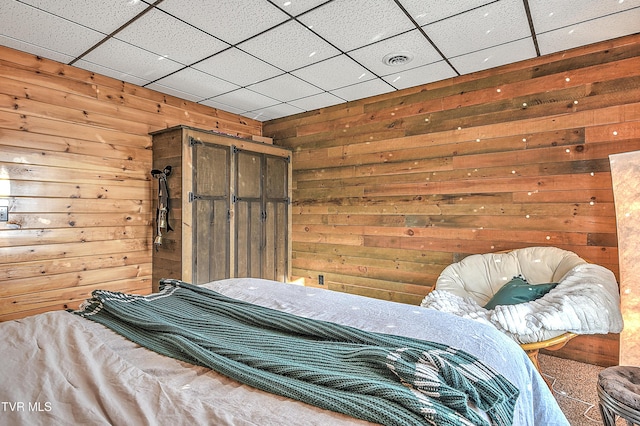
pixel 283 57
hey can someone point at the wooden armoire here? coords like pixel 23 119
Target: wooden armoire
pixel 228 207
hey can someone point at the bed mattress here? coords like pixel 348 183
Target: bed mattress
pixel 58 368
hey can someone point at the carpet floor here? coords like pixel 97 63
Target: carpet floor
pixel 574 385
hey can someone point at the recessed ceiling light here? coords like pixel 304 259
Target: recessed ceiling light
pixel 397 59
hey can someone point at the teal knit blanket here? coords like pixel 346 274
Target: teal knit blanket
pixel 381 378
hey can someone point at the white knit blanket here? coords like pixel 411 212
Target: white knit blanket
pixel 585 301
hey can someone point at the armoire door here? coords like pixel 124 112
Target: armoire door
pixel 247 202
pixel 261 206
pixel 276 205
pixel 211 210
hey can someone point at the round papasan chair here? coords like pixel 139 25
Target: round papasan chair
pixel 539 296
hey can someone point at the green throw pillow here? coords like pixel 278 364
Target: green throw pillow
pixel 518 290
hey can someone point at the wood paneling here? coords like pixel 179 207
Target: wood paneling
pixel 391 189
pixel 75 162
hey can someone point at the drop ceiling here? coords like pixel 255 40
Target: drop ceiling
pixel 266 59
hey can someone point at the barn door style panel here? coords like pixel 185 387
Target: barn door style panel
pixel 211 211
pixel 276 206
pixel 261 215
pixel 228 207
pixel 249 214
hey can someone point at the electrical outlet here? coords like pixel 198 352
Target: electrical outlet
pixel 4 213
pixel 321 279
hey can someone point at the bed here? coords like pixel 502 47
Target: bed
pixel 61 368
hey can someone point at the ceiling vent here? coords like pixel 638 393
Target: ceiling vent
pixel 397 59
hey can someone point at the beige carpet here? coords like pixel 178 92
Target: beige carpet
pixel 574 386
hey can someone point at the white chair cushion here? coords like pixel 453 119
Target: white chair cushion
pixel 480 276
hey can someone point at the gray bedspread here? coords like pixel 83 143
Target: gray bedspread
pixel 57 368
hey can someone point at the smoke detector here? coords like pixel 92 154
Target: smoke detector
pixel 397 59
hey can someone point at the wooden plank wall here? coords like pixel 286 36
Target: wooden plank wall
pixel 389 190
pixel 75 161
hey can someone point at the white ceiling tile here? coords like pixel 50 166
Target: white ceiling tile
pixel 480 28
pixel 173 92
pixel 275 111
pixel 238 67
pixel 549 15
pixel 230 20
pixel 230 45
pixel 258 115
pixel 412 43
pixel 334 73
pixel 110 72
pixel 495 56
pixel 421 75
pixel 350 24
pixel 224 107
pixel 285 88
pixel 289 46
pixel 198 84
pixel 593 31
pixel 44 30
pixel 296 7
pixel 429 11
pixel 167 36
pixel 363 90
pixel 245 100
pixel 131 60
pixel 104 15
pixel 35 50
pixel 320 100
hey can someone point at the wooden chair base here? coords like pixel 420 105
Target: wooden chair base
pixel 553 344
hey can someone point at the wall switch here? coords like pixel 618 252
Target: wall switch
pixel 321 279
pixel 4 213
